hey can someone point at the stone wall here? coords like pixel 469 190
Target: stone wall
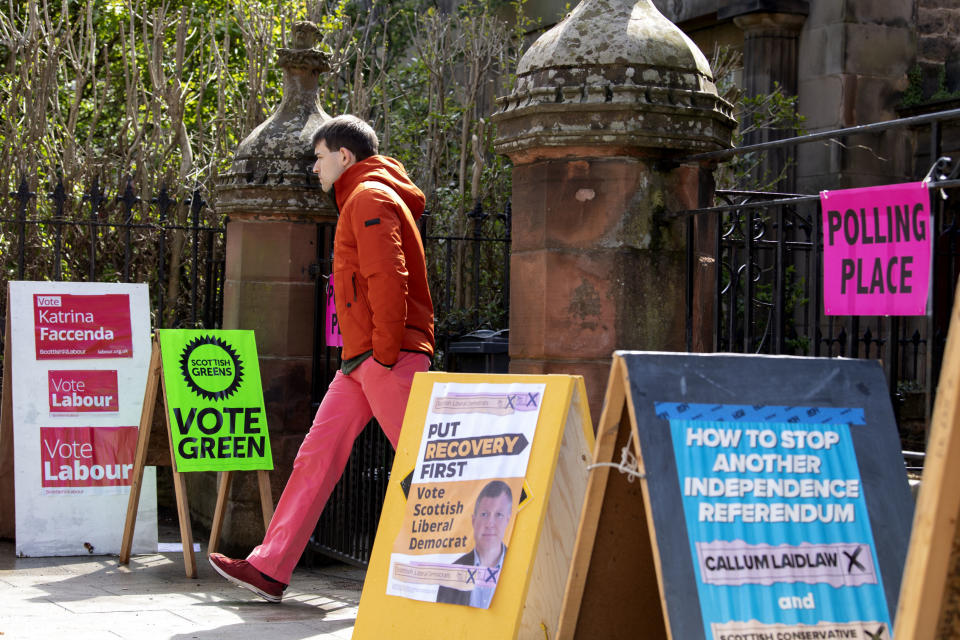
pixel 853 64
pixel 938 46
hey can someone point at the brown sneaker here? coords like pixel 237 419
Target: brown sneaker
pixel 243 574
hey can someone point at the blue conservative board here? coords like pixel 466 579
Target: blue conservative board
pixel 778 494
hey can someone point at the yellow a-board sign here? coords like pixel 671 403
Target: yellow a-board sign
pixel 530 587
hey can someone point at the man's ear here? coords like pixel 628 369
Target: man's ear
pixel 347 157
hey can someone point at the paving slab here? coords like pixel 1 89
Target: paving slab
pixel 96 597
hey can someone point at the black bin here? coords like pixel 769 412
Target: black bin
pixel 480 351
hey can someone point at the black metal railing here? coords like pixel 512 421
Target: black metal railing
pixel 764 291
pixel 348 525
pixel 54 235
pixel 469 283
pixel 480 262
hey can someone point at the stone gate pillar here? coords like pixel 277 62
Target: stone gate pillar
pixel 272 204
pixel 606 103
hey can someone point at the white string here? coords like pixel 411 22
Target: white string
pixel 628 464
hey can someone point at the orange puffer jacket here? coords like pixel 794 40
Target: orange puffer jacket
pixel 379 272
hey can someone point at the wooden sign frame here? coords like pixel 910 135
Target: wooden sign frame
pixel 622 578
pixel 929 605
pixel 607 557
pixel 155 382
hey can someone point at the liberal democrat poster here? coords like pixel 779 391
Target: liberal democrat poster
pixel 80 353
pixel 464 493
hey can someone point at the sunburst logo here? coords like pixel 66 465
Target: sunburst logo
pixel 211 368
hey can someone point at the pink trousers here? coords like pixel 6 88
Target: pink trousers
pixel 351 400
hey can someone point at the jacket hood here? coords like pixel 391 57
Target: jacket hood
pixel 385 170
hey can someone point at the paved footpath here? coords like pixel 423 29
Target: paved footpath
pixel 94 597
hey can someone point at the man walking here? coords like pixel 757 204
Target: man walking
pixel 386 318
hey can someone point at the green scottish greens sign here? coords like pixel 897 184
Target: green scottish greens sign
pixel 215 400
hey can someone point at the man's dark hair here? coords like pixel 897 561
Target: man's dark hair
pixel 350 132
pixel 494 489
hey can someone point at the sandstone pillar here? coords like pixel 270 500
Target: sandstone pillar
pixel 606 103
pixel 273 204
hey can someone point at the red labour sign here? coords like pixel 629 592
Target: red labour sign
pixel 82 391
pixel 87 456
pixel 68 326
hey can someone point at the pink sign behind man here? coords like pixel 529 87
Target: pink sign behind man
pixel 876 250
pixel 332 333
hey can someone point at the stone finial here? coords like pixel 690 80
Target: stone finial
pixel 617 75
pixel 305 34
pixel 303 54
pixel 271 172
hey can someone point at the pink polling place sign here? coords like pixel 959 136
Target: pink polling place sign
pixel 876 250
pixel 332 333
